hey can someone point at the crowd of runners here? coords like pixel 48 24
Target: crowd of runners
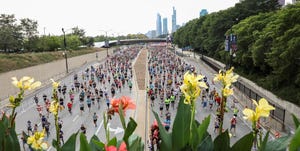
pixel 166 71
pixel 93 88
pixel 91 91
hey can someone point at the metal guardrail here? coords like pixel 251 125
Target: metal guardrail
pixel 278 114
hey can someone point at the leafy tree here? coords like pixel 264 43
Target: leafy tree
pixel 29 29
pixel 10 33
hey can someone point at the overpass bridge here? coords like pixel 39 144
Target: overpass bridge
pixel 128 42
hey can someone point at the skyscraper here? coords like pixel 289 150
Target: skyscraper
pixel 165 26
pixel 174 20
pixel 203 12
pixel 281 2
pixel 158 25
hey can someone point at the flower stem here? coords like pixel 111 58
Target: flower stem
pixel 105 119
pixel 222 110
pixel 121 113
pixel 12 117
pixel 57 131
pixel 192 119
pixel 255 131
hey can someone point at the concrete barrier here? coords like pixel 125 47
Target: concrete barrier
pixel 286 124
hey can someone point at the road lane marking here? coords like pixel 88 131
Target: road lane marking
pixel 49 148
pixel 39 123
pixel 75 118
pixel 99 128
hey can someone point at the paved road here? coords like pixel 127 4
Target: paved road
pixel 72 122
pixel 242 126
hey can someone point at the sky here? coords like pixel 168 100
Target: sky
pixel 116 17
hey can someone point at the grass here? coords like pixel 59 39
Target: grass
pixel 14 61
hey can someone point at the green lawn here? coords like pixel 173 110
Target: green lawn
pixel 13 61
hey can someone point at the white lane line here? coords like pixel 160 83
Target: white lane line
pixel 39 123
pixel 26 109
pixel 75 118
pixel 99 128
pixel 49 148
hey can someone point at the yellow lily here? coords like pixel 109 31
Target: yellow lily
pixel 25 83
pixel 226 78
pixel 191 87
pixel 55 84
pixel 54 107
pixel 36 141
pixel 227 91
pixel 262 110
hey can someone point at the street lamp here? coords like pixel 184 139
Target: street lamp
pixel 65 52
pixel 106 41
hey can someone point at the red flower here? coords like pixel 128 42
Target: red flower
pixel 114 148
pixel 126 102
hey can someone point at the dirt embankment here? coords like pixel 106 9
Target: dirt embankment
pixel 140 68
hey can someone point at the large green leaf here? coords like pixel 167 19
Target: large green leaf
pixel 93 145
pixel 279 144
pixel 112 142
pixel 11 141
pixel 222 142
pixel 2 135
pixel 198 133
pixel 54 143
pixel 70 144
pixel 295 142
pixel 129 129
pixel 166 138
pixel 206 145
pixel 84 146
pixel 244 143
pixel 181 126
pixel 135 143
pixel 296 121
pixel 195 141
pixel 99 144
pixel 264 142
pixel 202 129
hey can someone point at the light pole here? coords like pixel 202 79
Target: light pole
pixel 65 52
pixel 106 41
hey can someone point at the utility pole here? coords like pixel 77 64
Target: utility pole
pixel 65 52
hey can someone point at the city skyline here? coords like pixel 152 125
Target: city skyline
pixel 158 25
pixel 115 16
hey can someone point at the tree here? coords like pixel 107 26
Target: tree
pixel 10 34
pixel 29 29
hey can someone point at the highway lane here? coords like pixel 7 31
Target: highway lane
pixel 72 122
pixel 242 126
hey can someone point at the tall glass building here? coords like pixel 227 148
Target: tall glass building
pixel 174 20
pixel 203 12
pixel 158 25
pixel 165 26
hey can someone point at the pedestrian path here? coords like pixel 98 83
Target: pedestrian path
pixel 141 104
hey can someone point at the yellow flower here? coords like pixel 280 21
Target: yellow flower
pixel 54 84
pixel 227 91
pixel 262 110
pixel 226 78
pixel 13 102
pixel 25 83
pixel 191 87
pixel 36 140
pixel 54 107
